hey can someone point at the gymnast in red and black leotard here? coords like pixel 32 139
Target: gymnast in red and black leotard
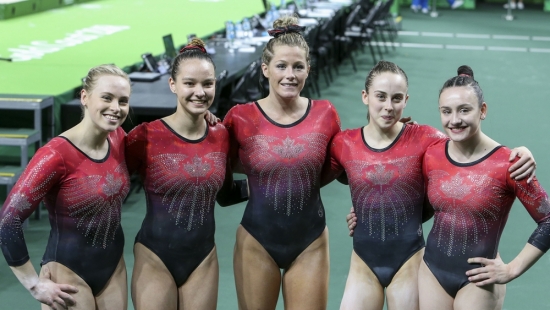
pixel 182 164
pixel 281 143
pixel 181 178
pixel 471 203
pixel 387 192
pixel 83 197
pixel 471 191
pixel 283 164
pixel 82 178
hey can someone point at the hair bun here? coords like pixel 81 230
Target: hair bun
pixel 284 30
pixel 465 70
pixel 285 21
pixel 195 44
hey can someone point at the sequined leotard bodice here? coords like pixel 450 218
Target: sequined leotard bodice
pixel 388 192
pixel 181 178
pixel 283 164
pixel 83 197
pixel 472 202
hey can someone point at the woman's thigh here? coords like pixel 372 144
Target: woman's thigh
pixel 257 276
pixel 489 297
pixel 402 293
pixel 431 294
pixel 61 274
pixel 200 291
pixel 115 294
pixel 153 287
pixel 305 282
pixel 363 290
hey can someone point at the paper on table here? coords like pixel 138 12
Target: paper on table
pixel 259 39
pixel 248 49
pixel 317 13
pixel 308 22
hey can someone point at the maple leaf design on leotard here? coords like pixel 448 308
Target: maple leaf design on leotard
pixel 533 195
pixel 459 224
pixel 544 207
pixel 95 204
pixel 288 168
pixel 385 195
pixel 188 186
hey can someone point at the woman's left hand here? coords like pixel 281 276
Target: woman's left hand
pixel 493 271
pixel 525 166
pixel 211 118
pixel 408 120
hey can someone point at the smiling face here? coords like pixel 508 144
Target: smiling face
pixel 194 86
pixel 287 71
pixel 386 99
pixel 461 113
pixel 107 104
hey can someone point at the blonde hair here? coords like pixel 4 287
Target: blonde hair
pixel 288 39
pixel 90 81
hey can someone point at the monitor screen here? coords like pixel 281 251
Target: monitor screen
pixel 169 47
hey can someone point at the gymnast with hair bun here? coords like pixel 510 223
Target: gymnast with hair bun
pixel 471 190
pixel 280 142
pixel 182 161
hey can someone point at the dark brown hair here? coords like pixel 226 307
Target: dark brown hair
pixel 464 78
pixel 195 49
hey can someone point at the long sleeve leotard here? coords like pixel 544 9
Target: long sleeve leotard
pixel 181 178
pixel 283 164
pixel 388 192
pixel 83 197
pixel 471 203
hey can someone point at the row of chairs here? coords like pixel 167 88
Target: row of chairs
pixel 331 42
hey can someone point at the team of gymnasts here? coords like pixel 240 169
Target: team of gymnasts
pixel 400 175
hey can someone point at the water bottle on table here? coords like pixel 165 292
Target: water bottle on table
pixel 239 32
pixel 247 28
pixel 230 31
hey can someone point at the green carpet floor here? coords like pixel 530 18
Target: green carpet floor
pixel 64 44
pixel 516 90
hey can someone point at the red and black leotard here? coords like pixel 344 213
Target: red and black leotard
pixel 283 164
pixel 84 198
pixel 181 178
pixel 471 203
pixel 388 192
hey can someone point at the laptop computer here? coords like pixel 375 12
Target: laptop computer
pixel 144 76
